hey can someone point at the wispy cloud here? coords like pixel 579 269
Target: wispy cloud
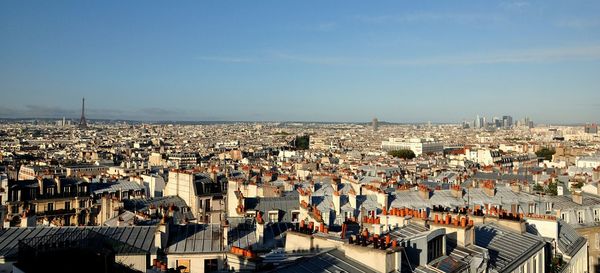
pixel 579 23
pixel 515 5
pixel 533 55
pixel 313 59
pixel 221 59
pixel 428 17
pixel 325 26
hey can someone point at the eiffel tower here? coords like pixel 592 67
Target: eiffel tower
pixel 82 121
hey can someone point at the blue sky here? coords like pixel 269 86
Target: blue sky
pixel 400 61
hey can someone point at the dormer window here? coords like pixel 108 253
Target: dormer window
pixel 273 216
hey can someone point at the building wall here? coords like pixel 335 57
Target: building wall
pixel 592 234
pixel 196 261
pixel 155 185
pixel 535 264
pixel 137 262
pixel 180 184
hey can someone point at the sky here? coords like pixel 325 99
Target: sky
pixel 399 61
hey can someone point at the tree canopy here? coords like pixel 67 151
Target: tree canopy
pixel 545 153
pixel 404 154
pixel 302 142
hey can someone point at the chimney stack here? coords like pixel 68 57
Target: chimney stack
pixel 489 188
pixel 382 198
pixel 41 184
pixel 515 187
pixel 260 229
pixel 577 197
pixel 337 202
pixel 352 198
pixel 424 192
pixel 457 191
pixel 58 184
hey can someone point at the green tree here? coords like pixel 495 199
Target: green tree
pixel 552 189
pixel 545 153
pixel 302 142
pixel 404 154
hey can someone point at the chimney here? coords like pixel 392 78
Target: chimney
pixel 161 235
pixel 382 198
pixel 515 187
pixel 41 184
pixel 352 198
pixel 304 195
pixel 335 185
pixel 336 202
pixel 424 192
pixel 489 188
pixel 225 224
pixel 28 219
pixel 260 229
pixel 58 184
pixel 577 197
pixel 213 176
pixel 457 191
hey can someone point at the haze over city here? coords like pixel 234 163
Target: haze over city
pixel 303 61
pixel 299 136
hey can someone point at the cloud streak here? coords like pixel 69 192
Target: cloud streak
pixel 428 17
pixel 539 55
pixel 221 59
pixel 579 23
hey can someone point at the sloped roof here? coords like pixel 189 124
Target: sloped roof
pixel 569 241
pixel 139 237
pixel 195 238
pixel 506 248
pixel 331 261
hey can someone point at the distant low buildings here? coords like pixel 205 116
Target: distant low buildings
pixel 418 145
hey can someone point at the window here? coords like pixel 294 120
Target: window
pixel 534 265
pixel 596 215
pixel 349 214
pixel 67 205
pixel 295 215
pixel 274 217
pixel 211 265
pixel 50 207
pixel 580 217
pixel 434 248
pixel 185 266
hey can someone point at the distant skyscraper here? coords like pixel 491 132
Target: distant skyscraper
pixel 82 121
pixel 375 124
pixel 497 122
pixel 507 121
pixel 479 122
pixel 591 128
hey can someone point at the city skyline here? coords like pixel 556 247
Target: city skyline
pixel 413 62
